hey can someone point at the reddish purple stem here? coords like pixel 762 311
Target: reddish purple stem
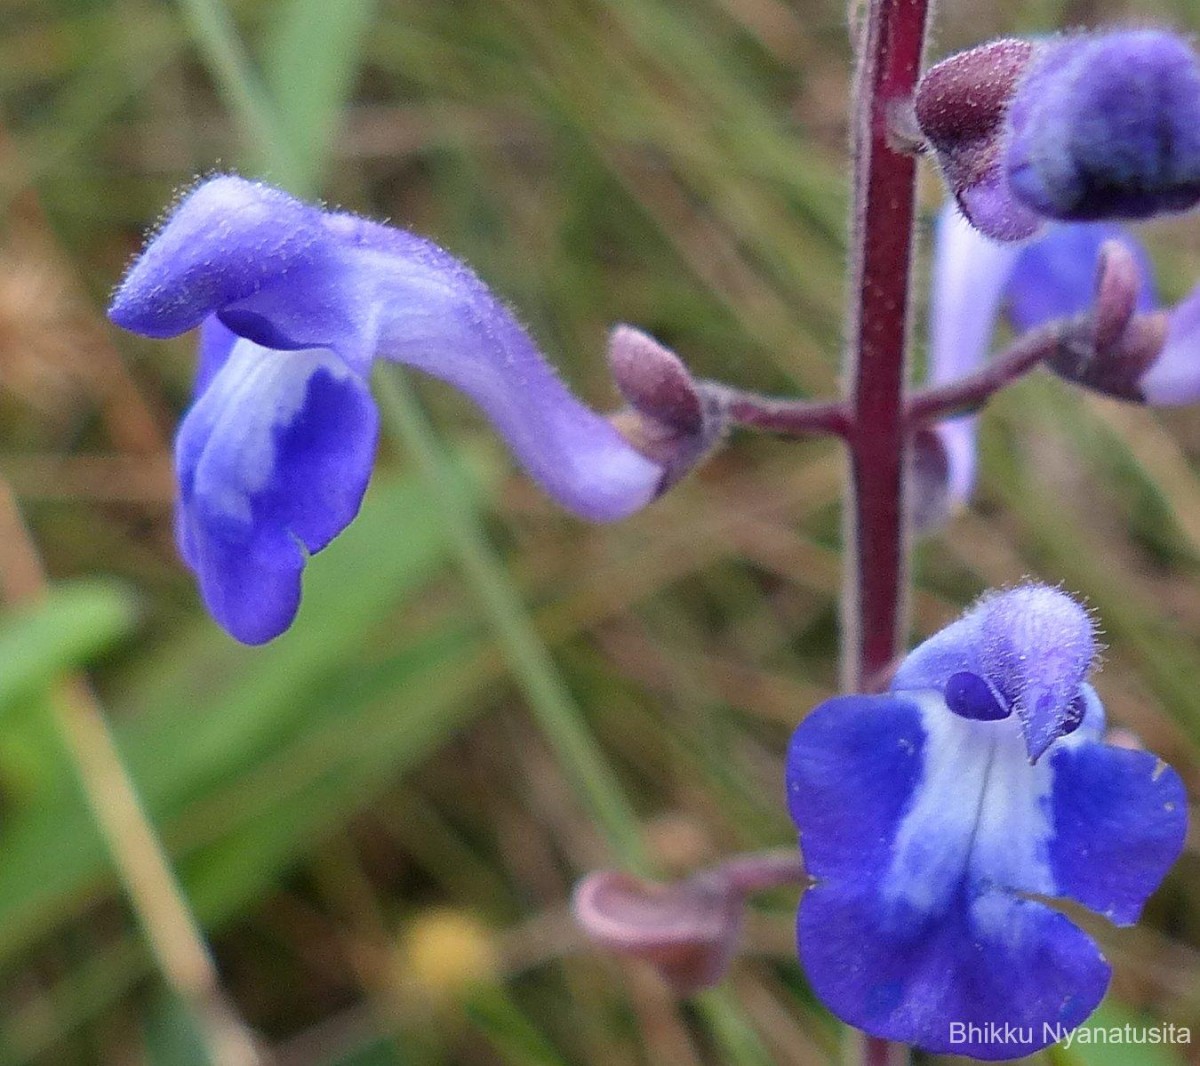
pixel 890 49
pixel 971 392
pixel 881 253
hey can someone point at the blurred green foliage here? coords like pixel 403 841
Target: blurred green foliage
pixel 678 165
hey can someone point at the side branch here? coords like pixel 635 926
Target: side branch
pixel 808 418
pixel 973 391
pixel 788 418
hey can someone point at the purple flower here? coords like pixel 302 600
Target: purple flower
pixel 294 305
pixel 1156 360
pixel 1105 127
pixel 1076 128
pixel 961 106
pixel 969 278
pixel 932 818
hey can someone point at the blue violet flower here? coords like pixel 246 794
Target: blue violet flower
pixel 1105 126
pixel 935 818
pixel 1080 127
pixel 294 304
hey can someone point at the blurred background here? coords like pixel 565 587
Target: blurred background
pixel 376 832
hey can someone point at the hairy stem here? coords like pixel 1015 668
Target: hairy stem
pixel 890 45
pixel 807 418
pixel 890 48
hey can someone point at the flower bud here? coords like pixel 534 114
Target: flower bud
pixel 1098 281
pixel 671 419
pixel 1106 127
pixel 1113 345
pixel 1118 283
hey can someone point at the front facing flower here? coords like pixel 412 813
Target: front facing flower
pixel 933 818
pixel 294 304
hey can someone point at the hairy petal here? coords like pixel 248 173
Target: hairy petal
pixel 1036 648
pixel 227 243
pixel 1032 645
pixel 289 276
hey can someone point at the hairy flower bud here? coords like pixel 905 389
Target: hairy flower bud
pixel 961 105
pixel 1114 345
pixel 1106 127
pixel 672 419
pixel 1079 128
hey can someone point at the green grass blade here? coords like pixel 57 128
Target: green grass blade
pixel 69 628
pixel 311 61
pixel 510 1032
pixel 555 710
pixel 217 710
pixel 170 1036
pixel 268 150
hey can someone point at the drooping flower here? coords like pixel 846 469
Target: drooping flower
pixel 1078 128
pixel 294 304
pixel 961 106
pixel 935 818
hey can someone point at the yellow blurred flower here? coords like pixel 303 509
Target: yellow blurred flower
pixel 444 955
